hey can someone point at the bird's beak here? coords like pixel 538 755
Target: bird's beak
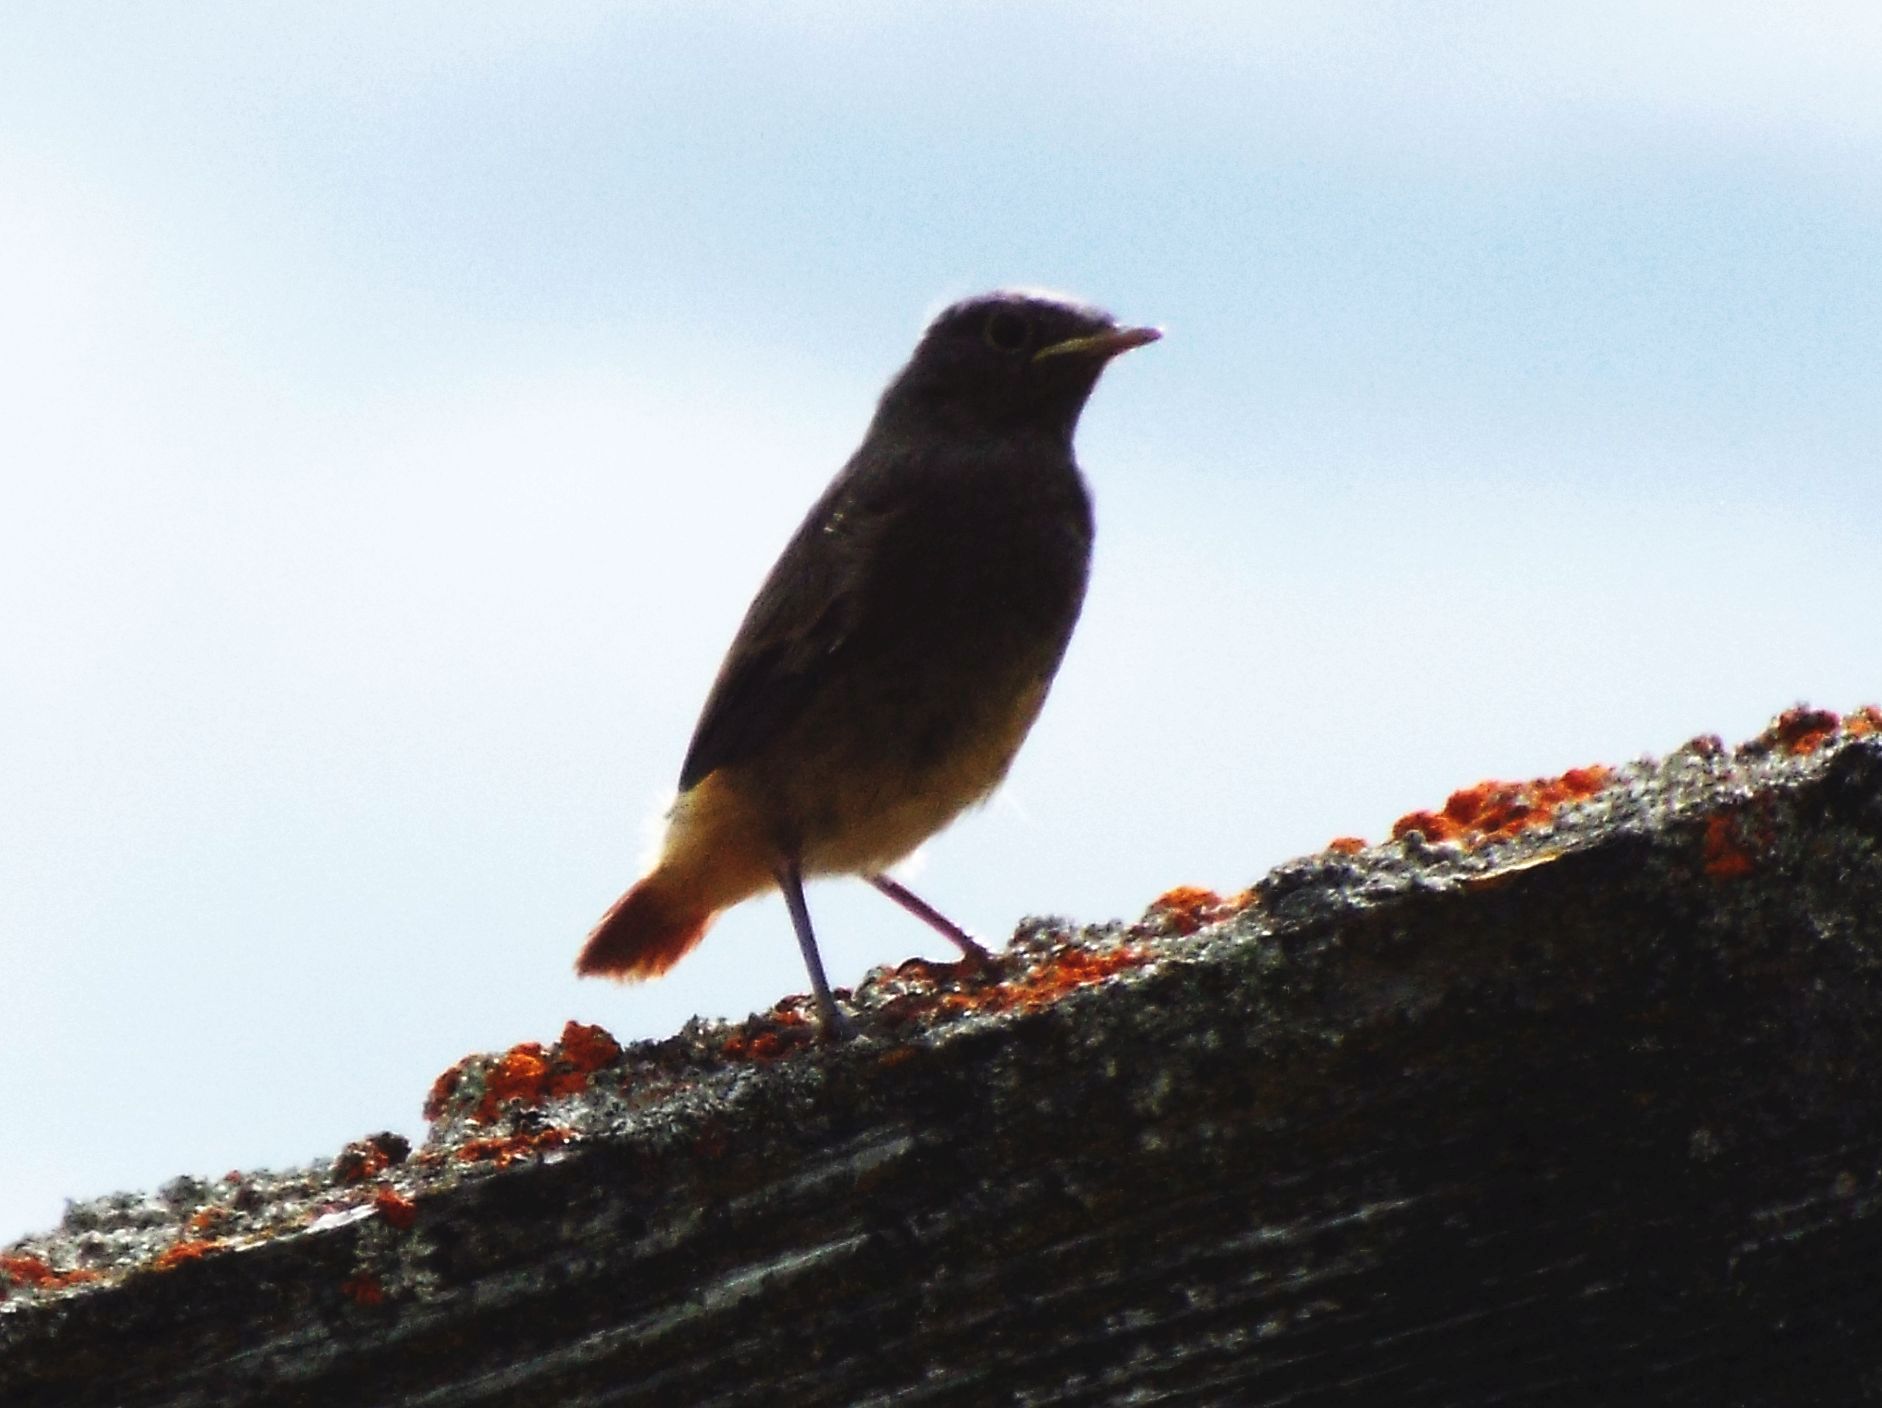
pixel 1102 345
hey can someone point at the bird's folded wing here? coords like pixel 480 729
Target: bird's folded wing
pixel 783 653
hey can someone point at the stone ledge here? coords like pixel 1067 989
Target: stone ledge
pixel 1567 1093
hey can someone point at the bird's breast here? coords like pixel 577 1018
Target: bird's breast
pixel 960 595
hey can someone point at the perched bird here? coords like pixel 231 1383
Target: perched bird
pixel 893 661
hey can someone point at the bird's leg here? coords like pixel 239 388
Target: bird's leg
pixel 926 912
pixel 790 878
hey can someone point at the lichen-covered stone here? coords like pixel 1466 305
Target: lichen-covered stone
pixel 1568 1094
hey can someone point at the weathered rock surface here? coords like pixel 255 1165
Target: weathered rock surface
pixel 1572 1094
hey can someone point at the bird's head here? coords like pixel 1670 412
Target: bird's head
pixel 1010 359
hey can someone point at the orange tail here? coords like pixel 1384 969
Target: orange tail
pixel 649 929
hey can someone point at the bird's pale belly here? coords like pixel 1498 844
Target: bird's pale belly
pixel 860 805
pixel 863 819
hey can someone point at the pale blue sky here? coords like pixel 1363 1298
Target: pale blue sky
pixel 398 406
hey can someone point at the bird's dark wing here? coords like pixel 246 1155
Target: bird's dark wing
pixel 801 617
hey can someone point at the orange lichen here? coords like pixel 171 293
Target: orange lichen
pixel 397 1209
pixel 208 1219
pixel 184 1252
pixel 26 1270
pixel 22 1270
pixel 1725 855
pixel 503 1150
pixel 1802 731
pixel 529 1072
pixel 955 990
pixel 1494 811
pixel 1433 826
pixel 1063 972
pixel 587 1049
pixel 1347 845
pixel 370 1157
pixel 782 1030
pixel 1188 908
pixel 438 1098
pixel 363 1289
pixel 767 1044
pixel 521 1073
pixel 355 1165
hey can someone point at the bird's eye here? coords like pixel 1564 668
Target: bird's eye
pixel 1006 332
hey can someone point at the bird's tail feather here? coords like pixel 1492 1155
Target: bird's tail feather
pixel 649 929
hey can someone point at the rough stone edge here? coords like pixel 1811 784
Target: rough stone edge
pixel 659 1095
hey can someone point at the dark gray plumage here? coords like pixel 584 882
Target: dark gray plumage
pixel 895 657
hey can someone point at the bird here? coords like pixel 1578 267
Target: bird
pixel 901 647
